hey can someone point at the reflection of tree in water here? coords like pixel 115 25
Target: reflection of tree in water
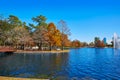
pixel 100 50
pixel 53 63
pixel 32 65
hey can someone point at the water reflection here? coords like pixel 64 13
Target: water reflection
pixel 83 63
pixel 27 65
pixel 116 52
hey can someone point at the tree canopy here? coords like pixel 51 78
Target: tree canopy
pixel 18 34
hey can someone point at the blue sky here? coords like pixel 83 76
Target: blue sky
pixel 85 18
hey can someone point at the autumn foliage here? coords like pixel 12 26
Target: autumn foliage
pixel 76 44
pixel 16 33
pixel 100 44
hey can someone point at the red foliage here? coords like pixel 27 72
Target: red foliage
pixel 100 44
pixel 76 43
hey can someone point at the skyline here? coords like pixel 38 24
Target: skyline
pixel 86 19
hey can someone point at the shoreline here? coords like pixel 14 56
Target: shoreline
pixel 14 78
pixel 53 51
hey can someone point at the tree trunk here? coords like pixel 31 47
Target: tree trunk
pixel 62 46
pixel 40 46
pixel 50 47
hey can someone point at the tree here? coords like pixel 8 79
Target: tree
pixel 96 39
pixel 18 36
pixel 8 26
pixel 39 36
pixel 76 44
pixel 39 30
pixel 26 27
pixel 57 37
pixel 66 42
pixel 84 44
pixel 40 21
pixel 100 44
pixel 62 26
pixel 112 43
pixel 16 33
pixel 4 27
pixel 91 44
pixel 14 21
pixel 53 36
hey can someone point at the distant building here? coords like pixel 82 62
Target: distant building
pixel 105 41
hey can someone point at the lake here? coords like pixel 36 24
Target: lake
pixel 82 63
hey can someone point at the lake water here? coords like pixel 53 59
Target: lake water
pixel 83 63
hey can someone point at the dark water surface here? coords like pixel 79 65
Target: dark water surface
pixel 90 63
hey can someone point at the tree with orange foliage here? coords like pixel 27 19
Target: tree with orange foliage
pixel 100 44
pixel 65 41
pixel 53 36
pixel 76 43
pixel 57 37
